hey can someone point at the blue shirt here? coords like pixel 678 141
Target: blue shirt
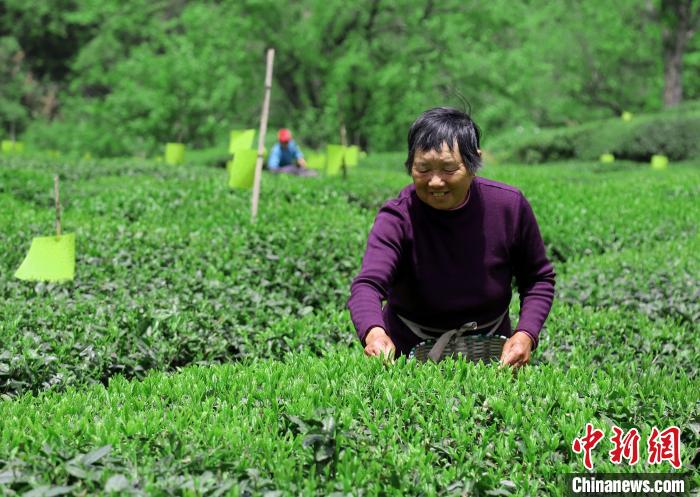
pixel 284 156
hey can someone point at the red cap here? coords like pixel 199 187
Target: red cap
pixel 284 135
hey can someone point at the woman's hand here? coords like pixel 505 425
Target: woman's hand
pixel 516 350
pixel 379 343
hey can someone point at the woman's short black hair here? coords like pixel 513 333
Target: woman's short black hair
pixel 445 125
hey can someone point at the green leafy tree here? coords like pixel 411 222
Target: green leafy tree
pixel 16 85
pixel 175 81
pixel 679 20
pixel 138 73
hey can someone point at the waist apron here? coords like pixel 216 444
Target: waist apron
pixel 404 339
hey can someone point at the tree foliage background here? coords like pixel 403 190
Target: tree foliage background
pixel 124 76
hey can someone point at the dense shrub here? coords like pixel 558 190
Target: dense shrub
pixel 267 391
pixel 340 425
pixel 655 281
pixel 170 271
pixel 672 133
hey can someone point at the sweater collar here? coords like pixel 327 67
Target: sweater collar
pixel 457 211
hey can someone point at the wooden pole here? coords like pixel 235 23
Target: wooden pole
pixel 344 143
pixel 343 135
pixel 263 131
pixel 58 205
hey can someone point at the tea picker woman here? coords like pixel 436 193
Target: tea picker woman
pixel 444 252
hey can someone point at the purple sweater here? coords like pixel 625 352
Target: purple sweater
pixel 443 268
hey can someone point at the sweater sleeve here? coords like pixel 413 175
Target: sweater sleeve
pixel 534 274
pixel 379 264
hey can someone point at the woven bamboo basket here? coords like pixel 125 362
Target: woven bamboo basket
pixel 473 348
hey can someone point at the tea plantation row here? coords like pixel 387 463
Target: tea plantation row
pixel 171 275
pixel 171 272
pixel 337 425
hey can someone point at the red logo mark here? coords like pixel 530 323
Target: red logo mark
pixel 587 443
pixel 626 447
pixel 665 446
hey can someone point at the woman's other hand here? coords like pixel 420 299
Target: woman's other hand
pixel 379 343
pixel 516 350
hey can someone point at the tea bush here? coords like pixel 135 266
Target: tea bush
pixel 658 282
pixel 170 271
pixel 671 133
pixel 336 425
pixel 197 353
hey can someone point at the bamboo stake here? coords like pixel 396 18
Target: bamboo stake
pixel 263 131
pixel 343 136
pixel 344 143
pixel 58 205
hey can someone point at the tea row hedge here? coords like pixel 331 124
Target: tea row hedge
pixel 647 205
pixel 671 133
pixel 660 281
pixel 582 208
pixel 338 425
pixel 172 272
pixel 41 360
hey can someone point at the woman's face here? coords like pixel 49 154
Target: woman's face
pixel 441 178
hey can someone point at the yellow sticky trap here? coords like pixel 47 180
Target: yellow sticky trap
pixel 241 171
pixel 174 153
pixel 334 154
pixel 352 155
pixel 627 116
pixel 241 139
pixel 10 147
pixel 659 162
pixel 50 258
pixel 607 158
pixel 315 160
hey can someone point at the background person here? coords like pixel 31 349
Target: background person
pixel 444 252
pixel 286 156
